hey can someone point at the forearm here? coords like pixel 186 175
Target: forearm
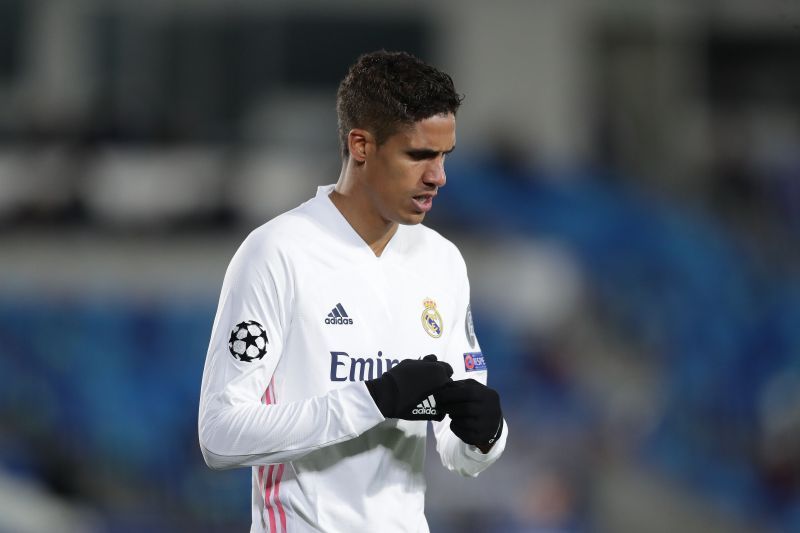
pixel 247 434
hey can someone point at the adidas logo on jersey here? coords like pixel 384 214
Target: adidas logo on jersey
pixel 426 407
pixel 338 316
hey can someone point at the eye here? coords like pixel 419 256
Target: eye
pixel 420 155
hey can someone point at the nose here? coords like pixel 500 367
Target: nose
pixel 435 174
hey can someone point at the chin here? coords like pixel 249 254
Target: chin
pixel 411 219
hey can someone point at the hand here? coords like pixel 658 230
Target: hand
pixel 401 392
pixel 475 412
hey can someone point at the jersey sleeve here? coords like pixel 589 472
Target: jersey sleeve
pixel 237 425
pixel 464 354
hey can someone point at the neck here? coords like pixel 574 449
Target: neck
pixel 357 209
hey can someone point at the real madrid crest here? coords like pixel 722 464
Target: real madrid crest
pixel 431 319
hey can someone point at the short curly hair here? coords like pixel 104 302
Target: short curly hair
pixel 386 91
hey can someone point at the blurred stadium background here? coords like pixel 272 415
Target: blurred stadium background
pixel 626 191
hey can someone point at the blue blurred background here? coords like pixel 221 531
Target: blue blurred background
pixel 626 192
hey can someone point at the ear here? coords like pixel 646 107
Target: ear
pixel 357 142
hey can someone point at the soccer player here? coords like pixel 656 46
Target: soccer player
pixel 344 326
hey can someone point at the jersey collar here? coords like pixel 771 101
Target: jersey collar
pixel 335 216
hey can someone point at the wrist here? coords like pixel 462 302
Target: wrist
pixel 384 394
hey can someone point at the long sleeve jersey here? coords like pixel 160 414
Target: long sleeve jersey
pixel 307 313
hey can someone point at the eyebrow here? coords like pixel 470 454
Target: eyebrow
pixel 427 153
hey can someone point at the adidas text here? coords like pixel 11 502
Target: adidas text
pixel 424 411
pixel 338 320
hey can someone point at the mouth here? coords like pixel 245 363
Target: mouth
pixel 423 202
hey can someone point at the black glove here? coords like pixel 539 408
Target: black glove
pixel 402 391
pixel 475 412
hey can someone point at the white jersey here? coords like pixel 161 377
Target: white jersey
pixel 307 313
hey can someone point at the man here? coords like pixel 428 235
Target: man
pixel 344 326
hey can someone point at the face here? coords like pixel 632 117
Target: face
pixel 402 175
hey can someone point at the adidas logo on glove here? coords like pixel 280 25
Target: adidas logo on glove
pixel 426 407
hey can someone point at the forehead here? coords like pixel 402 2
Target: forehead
pixel 437 133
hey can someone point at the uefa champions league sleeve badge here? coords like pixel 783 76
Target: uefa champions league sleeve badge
pixel 248 341
pixel 431 319
pixel 469 328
